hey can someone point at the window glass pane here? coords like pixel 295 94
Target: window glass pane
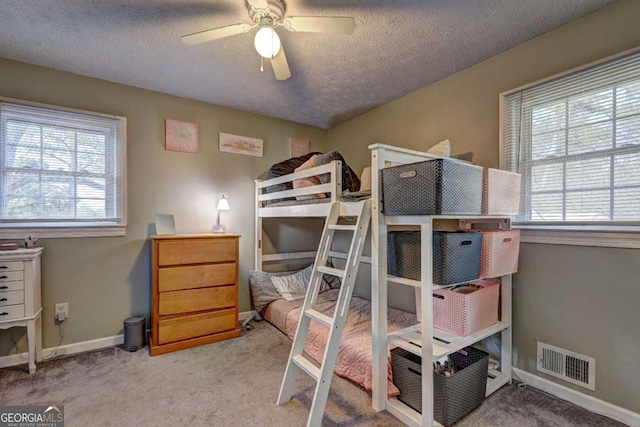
pixel 588 206
pixel 91 143
pixel 628 131
pixel 91 162
pixel 23 133
pixel 58 160
pixel 627 170
pixel 591 107
pixel 546 207
pixel 588 138
pixel 22 184
pixel 548 145
pixel 57 138
pixel 22 156
pixel 91 208
pixel 546 177
pixel 57 186
pixel 22 207
pixel 589 173
pixel 628 99
pixel 91 188
pixel 626 204
pixel 57 208
pixel 548 118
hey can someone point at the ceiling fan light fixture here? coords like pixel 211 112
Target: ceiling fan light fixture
pixel 267 42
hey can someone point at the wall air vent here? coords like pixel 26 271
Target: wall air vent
pixel 567 365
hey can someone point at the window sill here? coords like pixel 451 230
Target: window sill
pixel 20 232
pixel 611 237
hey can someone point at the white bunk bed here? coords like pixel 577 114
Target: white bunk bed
pixel 419 339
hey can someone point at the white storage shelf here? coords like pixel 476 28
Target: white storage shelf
pixel 442 342
pixel 438 343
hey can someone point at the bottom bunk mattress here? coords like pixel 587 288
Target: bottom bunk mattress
pixel 354 360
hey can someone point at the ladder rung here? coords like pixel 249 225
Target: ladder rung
pixel 342 227
pixel 322 318
pixel 332 271
pixel 305 364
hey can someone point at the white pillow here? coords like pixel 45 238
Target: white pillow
pixel 443 148
pixel 365 179
pixel 294 286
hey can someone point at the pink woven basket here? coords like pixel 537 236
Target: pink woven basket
pixel 464 314
pixel 500 192
pixel 500 251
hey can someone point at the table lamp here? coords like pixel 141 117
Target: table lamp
pixel 223 205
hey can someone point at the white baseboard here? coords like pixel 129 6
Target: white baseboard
pixel 577 398
pixel 79 347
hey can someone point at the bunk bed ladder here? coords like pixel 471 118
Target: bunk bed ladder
pixel 297 360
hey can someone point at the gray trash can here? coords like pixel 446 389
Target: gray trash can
pixel 134 333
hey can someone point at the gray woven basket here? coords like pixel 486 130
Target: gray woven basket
pixel 454 396
pixel 433 187
pixel 456 255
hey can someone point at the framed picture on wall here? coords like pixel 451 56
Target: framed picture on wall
pixel 181 136
pixel 237 144
pixel 298 147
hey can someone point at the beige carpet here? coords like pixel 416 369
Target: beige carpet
pixel 235 383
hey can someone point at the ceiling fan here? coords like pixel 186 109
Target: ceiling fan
pixel 269 15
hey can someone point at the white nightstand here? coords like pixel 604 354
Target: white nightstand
pixel 21 298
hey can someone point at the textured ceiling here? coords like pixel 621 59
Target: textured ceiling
pixel 398 46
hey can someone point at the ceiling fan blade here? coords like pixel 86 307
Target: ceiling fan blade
pixel 216 33
pixel 259 4
pixel 280 66
pixel 320 24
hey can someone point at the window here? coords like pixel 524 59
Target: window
pixel 576 141
pixel 62 172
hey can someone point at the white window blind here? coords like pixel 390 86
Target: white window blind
pixel 576 142
pixel 60 167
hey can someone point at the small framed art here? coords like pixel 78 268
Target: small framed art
pixel 181 136
pixel 298 147
pixel 237 144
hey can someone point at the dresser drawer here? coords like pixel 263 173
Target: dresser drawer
pixel 11 298
pixel 11 312
pixel 196 325
pixel 197 300
pixel 11 286
pixel 8 276
pixel 196 276
pixel 10 266
pixel 196 251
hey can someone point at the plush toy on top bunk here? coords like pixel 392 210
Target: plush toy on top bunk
pixel 350 180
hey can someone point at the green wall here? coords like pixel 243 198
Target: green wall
pixel 106 279
pixel 581 298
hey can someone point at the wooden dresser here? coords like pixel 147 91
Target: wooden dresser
pixel 194 290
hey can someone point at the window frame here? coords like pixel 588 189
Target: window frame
pixel 624 234
pixel 52 229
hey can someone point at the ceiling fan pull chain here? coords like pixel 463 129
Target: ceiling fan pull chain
pixel 262 64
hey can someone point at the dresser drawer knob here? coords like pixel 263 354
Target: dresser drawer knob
pixel 4 314
pixel 3 299
pixel 3 266
pixel 4 287
pixel 3 277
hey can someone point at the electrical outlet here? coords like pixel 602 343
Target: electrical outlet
pixel 62 312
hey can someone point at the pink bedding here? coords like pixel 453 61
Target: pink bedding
pixel 354 354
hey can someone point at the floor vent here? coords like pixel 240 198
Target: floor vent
pixel 567 365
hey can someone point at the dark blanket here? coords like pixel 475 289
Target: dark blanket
pixel 350 180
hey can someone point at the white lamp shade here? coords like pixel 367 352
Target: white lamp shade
pixel 267 42
pixel 223 204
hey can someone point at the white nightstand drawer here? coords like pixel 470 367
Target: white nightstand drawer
pixel 8 276
pixel 11 286
pixel 11 312
pixel 11 298
pixel 10 266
